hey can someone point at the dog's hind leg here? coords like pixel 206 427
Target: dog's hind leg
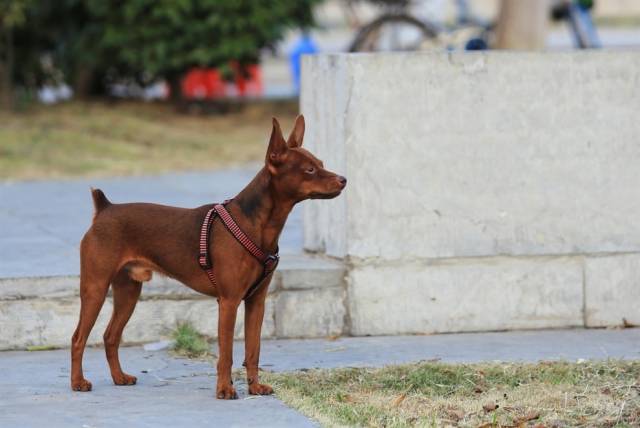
pixel 93 290
pixel 126 292
pixel 96 272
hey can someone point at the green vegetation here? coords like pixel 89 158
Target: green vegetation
pixel 96 139
pixel 166 40
pixel 489 395
pixel 36 348
pixel 89 43
pixel 190 343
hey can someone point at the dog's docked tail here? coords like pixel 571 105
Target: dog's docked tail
pixel 100 201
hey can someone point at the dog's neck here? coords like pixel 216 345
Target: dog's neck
pixel 263 209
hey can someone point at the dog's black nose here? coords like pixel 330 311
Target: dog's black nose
pixel 342 180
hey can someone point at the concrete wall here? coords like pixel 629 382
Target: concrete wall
pixel 306 299
pixel 486 191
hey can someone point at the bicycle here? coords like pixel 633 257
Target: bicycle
pixel 578 14
pixel 397 29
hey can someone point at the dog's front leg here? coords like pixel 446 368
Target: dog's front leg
pixel 226 327
pixel 253 316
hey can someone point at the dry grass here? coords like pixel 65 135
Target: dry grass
pixel 554 394
pixel 97 139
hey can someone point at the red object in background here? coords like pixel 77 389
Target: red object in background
pixel 207 83
pixel 249 84
pixel 203 83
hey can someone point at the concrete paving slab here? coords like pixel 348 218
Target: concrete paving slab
pixel 42 222
pixel 173 393
pixel 569 345
pixel 34 387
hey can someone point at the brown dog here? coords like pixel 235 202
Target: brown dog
pixel 126 242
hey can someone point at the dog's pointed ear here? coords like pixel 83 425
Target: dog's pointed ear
pixel 277 147
pixel 297 134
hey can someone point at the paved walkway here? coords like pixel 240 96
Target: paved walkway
pixel 34 386
pixel 42 222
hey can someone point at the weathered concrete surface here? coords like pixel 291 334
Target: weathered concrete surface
pixel 311 313
pixel 464 295
pixel 172 393
pixel 34 388
pixel 473 159
pixel 44 311
pixel 612 290
pixel 570 345
pixel 476 154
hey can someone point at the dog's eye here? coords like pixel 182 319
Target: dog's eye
pixel 310 170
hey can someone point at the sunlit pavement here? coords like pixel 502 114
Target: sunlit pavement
pixel 173 392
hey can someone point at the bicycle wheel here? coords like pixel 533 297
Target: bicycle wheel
pixel 394 32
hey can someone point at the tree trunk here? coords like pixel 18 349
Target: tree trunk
pixel 522 24
pixel 175 89
pixel 6 70
pixel 83 82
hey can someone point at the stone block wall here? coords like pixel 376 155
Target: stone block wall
pixel 487 191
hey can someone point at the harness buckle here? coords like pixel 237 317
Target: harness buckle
pixel 271 261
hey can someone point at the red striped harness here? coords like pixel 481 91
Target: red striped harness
pixel 269 261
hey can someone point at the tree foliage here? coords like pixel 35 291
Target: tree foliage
pixel 12 16
pixel 150 38
pixel 12 12
pixel 168 36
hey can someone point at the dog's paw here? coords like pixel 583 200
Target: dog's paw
pixel 260 389
pixel 124 379
pixel 226 392
pixel 81 385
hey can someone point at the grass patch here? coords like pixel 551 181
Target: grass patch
pixel 500 394
pixel 36 348
pixel 129 138
pixel 190 343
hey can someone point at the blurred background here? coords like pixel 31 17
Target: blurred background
pixel 509 183
pixel 137 86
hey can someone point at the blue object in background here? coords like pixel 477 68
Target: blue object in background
pixel 581 21
pixel 304 45
pixel 476 44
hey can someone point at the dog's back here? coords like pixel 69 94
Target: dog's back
pixel 152 232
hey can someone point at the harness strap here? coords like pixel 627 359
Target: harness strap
pixel 237 233
pixel 268 261
pixel 204 260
